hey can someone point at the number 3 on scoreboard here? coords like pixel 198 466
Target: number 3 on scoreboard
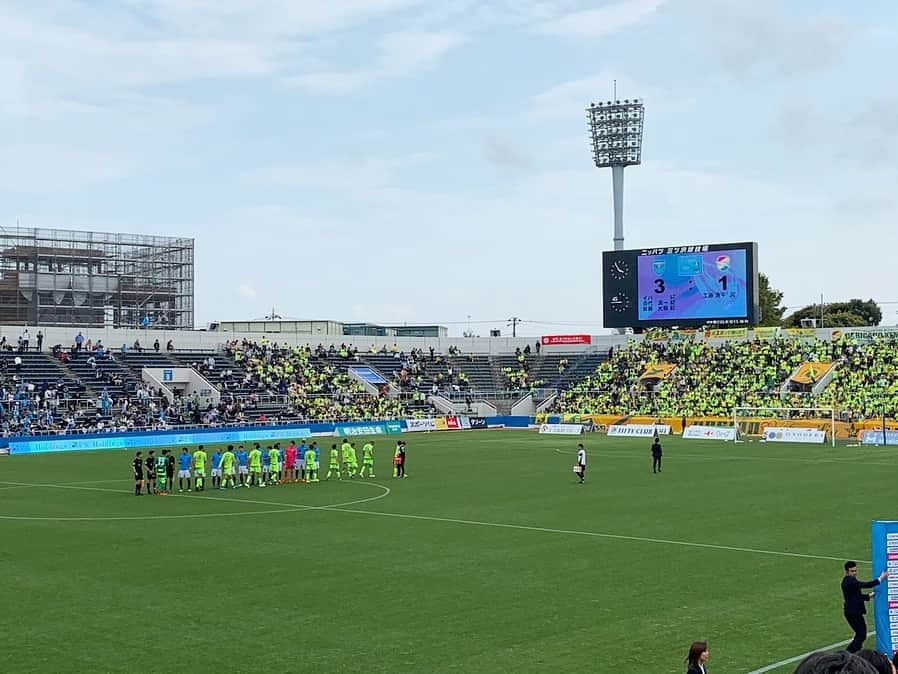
pixel 659 285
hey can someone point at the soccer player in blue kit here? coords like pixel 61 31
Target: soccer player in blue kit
pixel 184 469
pixel 242 465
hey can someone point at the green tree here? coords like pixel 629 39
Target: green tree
pixel 850 314
pixel 770 300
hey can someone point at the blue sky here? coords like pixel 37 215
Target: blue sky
pixel 403 161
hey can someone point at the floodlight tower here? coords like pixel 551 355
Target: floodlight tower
pixel 616 130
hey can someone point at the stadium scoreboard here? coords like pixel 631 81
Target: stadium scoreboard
pixel 687 286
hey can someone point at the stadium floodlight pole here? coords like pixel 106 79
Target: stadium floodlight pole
pixel 615 128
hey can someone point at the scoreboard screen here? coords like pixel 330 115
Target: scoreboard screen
pixel 711 284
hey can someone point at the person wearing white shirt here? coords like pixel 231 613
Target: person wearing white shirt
pixel 581 462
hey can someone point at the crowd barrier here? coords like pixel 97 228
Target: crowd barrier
pixel 238 434
pixel 718 428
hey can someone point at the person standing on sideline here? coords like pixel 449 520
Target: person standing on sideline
pixel 581 463
pixel 40 340
pixel 854 608
pixel 697 657
pixel 656 455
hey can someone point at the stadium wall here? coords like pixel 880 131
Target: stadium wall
pixel 31 444
pixel 202 340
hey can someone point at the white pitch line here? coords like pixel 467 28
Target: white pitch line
pixel 789 661
pixel 287 507
pixel 593 534
pixel 501 525
pixel 117 518
pixel 22 485
pixel 638 455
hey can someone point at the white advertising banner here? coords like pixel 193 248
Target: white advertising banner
pixel 563 429
pixel 710 433
pixel 794 434
pixel 464 422
pixel 638 430
pixel 420 425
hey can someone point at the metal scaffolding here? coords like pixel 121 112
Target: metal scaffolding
pixel 95 279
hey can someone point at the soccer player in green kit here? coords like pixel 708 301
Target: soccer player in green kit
pixel 367 459
pixel 311 471
pixel 199 468
pixel 161 467
pixel 255 467
pixel 346 451
pixel 334 466
pixel 228 459
pixel 274 458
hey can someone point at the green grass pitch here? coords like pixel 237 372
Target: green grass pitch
pixel 489 558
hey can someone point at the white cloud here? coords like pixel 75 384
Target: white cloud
pixel 397 55
pixel 348 175
pixel 246 291
pixel 602 21
pixel 571 98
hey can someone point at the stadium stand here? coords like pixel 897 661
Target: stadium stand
pixel 710 380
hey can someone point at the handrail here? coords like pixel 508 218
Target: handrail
pixel 232 424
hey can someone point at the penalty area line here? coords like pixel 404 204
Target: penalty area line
pixel 796 658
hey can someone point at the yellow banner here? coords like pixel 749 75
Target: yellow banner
pixel 800 332
pixel 657 371
pixel 440 424
pixel 726 333
pixel 766 332
pixel 810 372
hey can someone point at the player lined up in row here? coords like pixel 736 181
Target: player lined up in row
pixel 240 468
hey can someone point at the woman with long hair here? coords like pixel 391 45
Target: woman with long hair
pixel 697 657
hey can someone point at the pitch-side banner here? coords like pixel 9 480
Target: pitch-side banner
pixel 561 429
pixel 789 434
pixel 638 430
pixel 710 433
pixel 379 428
pixel 874 437
pixel 420 425
pixel 884 539
pixel 556 340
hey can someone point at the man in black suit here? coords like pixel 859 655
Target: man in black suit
pixel 656 455
pixel 854 603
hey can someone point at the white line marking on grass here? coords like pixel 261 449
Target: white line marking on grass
pixel 115 518
pixel 22 485
pixel 592 534
pixel 638 455
pixel 285 507
pixel 789 661
pixel 338 507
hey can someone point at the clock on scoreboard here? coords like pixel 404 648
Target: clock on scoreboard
pixel 709 284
